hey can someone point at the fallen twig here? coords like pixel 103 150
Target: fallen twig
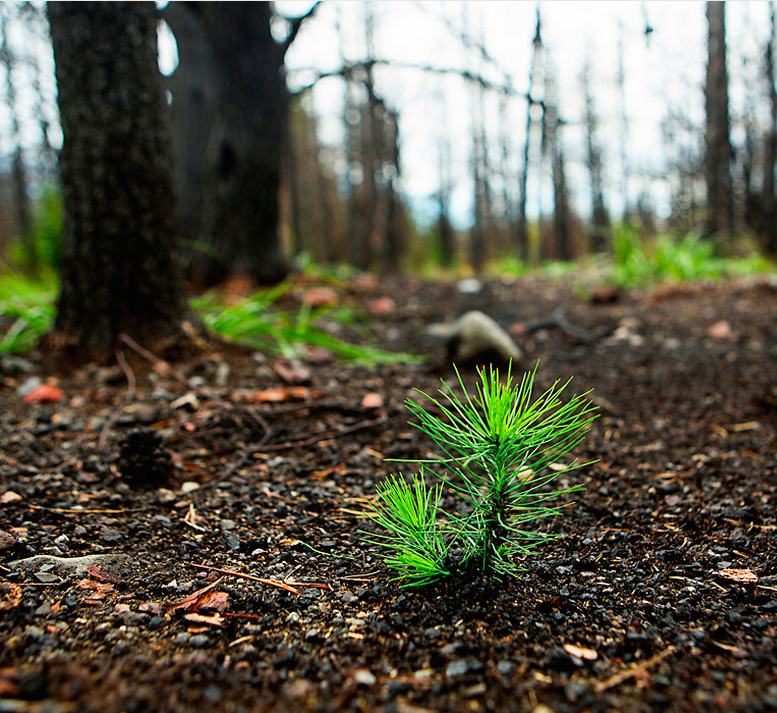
pixel 271 582
pixel 126 401
pixel 619 678
pixel 164 369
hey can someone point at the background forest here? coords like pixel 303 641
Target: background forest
pixel 301 138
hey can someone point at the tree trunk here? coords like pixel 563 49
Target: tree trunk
pixel 118 272
pixel 23 219
pixel 720 200
pixel 599 215
pixel 231 100
pixel 769 199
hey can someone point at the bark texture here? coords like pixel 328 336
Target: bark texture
pixel 720 198
pixel 118 271
pixel 230 111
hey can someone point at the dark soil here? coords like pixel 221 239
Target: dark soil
pixel 661 594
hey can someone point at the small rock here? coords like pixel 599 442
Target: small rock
pixel 28 385
pixel 198 641
pixel 456 668
pixel 320 297
pixel 469 286
pixel 364 677
pixel 14 364
pixel 6 540
pixel 475 337
pixel 9 496
pixel 189 487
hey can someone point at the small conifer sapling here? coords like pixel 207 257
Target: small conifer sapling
pixel 497 448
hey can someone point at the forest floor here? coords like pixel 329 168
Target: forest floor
pixel 219 515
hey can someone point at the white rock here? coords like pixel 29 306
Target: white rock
pixel 475 335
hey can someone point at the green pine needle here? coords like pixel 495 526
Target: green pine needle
pixel 496 448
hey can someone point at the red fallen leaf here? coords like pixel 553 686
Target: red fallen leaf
pixel 739 575
pixel 382 307
pixel 720 330
pixel 580 652
pixel 372 401
pixel 8 685
pixel 319 356
pixel 320 297
pixel 214 601
pixel 292 372
pixel 10 595
pixel 104 575
pixel 286 393
pixel 150 607
pixel 518 330
pixel 44 394
pixel 215 620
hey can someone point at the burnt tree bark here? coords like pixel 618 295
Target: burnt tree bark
pixel 230 114
pixel 599 215
pixel 717 162
pixel 769 199
pixel 118 272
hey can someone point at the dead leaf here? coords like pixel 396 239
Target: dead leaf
pixel 44 394
pixel 319 356
pixel 746 426
pixel 382 307
pixel 320 297
pixel 192 601
pixel 735 651
pixel 292 371
pixel 372 401
pixel 745 576
pixel 581 653
pixel 720 330
pixel 150 608
pixel 214 620
pixel 214 601
pixel 274 395
pixel 104 575
pixel 10 595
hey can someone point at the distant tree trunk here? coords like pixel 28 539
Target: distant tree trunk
pixel 118 273
pixel 23 219
pixel 623 127
pixel 599 214
pixel 535 75
pixel 444 228
pixel 560 193
pixel 769 198
pixel 720 199
pixel 232 101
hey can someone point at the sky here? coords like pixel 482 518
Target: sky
pixel 665 70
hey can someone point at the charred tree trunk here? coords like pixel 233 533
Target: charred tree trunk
pixel 118 272
pixel 599 215
pixel 561 231
pixel 535 75
pixel 232 99
pixel 769 198
pixel 717 168
pixel 23 219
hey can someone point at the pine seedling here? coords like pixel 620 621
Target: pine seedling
pixel 500 451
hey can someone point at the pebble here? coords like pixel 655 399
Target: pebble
pixel 189 486
pixel 198 641
pixel 456 668
pixel 364 677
